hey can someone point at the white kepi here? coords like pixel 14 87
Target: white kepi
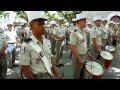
pixel 35 15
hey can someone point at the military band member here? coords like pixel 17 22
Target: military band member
pixel 118 33
pixel 87 30
pixel 23 33
pixel 35 54
pixel 60 35
pixel 70 29
pixel 78 45
pixel 53 41
pixel 104 31
pixel 96 37
pixel 111 32
pixel 115 28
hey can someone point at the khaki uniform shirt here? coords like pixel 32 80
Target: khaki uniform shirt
pixel 78 38
pixel 104 32
pixel 29 56
pixel 60 31
pixel 96 33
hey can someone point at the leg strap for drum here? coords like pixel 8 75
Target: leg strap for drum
pixel 82 72
pixel 98 57
pixel 21 74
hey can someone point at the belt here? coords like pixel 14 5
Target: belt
pixel 42 74
pixel 11 43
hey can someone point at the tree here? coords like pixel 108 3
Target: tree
pixel 21 14
pixel 1 12
pixel 66 14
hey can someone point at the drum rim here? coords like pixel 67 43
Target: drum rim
pixel 99 63
pixel 110 46
pixel 107 58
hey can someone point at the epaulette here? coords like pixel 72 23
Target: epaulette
pixel 75 30
pixel 27 40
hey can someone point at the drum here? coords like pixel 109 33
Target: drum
pixel 94 68
pixel 108 57
pixel 22 75
pixel 110 49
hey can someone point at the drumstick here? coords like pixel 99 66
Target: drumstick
pixel 90 65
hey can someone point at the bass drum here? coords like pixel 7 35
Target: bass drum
pixel 107 57
pixel 92 70
pixel 110 48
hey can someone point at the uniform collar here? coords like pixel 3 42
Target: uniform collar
pixel 10 31
pixel 35 40
pixel 97 27
pixel 79 30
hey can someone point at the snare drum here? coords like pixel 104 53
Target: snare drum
pixel 108 57
pixel 94 68
pixel 110 49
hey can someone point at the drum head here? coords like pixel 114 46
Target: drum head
pixel 106 55
pixel 110 48
pixel 94 67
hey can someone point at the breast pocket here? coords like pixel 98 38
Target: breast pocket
pixel 35 59
pixel 81 40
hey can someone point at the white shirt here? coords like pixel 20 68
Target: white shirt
pixel 11 36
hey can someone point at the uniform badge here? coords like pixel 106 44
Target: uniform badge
pixel 41 54
pixel 37 61
pixel 22 50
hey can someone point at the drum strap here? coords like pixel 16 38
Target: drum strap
pixel 82 76
pixel 98 57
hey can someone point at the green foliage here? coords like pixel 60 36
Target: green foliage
pixel 66 14
pixel 1 12
pixel 21 14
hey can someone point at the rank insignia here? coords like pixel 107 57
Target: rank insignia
pixel 41 54
pixel 22 50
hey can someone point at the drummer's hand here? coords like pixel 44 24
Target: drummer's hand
pixel 80 62
pixel 59 77
pixel 98 50
pixel 102 46
pixel 63 37
pixel 90 57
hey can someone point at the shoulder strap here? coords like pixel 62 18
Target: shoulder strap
pixel 79 35
pixel 75 30
pixel 27 40
pixel 41 54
